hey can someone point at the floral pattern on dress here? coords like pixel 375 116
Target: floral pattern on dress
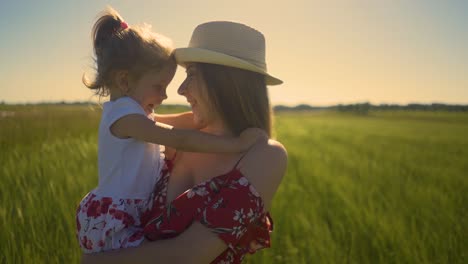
pixel 107 223
pixel 228 204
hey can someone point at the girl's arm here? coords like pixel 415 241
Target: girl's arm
pixel 141 128
pixel 180 120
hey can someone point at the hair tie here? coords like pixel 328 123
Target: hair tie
pixel 123 25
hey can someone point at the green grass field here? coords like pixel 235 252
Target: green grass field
pixel 390 187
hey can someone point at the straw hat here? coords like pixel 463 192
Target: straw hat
pixel 229 44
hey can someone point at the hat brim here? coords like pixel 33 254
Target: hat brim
pixel 186 55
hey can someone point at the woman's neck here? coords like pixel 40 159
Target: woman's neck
pixel 218 128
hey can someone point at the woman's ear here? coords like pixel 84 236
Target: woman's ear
pixel 121 81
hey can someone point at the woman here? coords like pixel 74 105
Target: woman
pixel 226 88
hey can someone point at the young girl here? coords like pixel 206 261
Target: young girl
pixel 134 67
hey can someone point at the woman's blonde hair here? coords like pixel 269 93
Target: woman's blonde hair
pixel 239 96
pixel 120 47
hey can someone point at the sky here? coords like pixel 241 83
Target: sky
pixel 326 52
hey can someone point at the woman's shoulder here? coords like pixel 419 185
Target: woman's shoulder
pixel 269 151
pixel 274 149
pixel 264 165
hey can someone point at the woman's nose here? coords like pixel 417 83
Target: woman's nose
pixel 164 95
pixel 182 88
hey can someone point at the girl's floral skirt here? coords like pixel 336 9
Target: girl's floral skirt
pixel 107 223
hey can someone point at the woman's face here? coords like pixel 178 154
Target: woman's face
pixel 194 89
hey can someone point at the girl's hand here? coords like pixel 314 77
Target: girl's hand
pixel 250 136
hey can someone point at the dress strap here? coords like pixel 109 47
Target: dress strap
pixel 230 174
pixel 237 163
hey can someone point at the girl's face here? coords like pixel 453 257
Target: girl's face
pixel 150 90
pixel 194 89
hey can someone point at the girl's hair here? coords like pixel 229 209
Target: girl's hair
pixel 239 96
pixel 120 47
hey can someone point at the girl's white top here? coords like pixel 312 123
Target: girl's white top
pixel 128 168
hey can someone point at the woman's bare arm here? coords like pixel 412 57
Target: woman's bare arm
pixel 265 178
pixel 195 245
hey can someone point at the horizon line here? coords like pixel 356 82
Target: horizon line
pixel 3 102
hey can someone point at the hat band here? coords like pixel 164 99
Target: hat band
pixel 260 64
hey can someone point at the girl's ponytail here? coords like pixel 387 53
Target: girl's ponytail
pixel 120 48
pixel 106 27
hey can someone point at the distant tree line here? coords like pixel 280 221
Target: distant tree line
pixel 364 108
pixel 359 108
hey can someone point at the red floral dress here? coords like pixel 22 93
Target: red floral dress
pixel 107 223
pixel 227 204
